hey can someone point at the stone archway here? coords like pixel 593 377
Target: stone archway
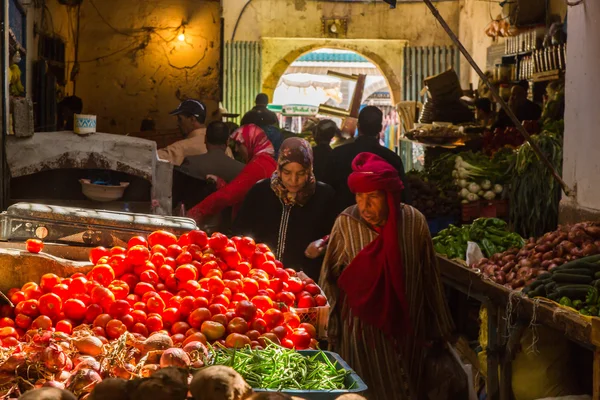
pixel 279 53
pixel 374 88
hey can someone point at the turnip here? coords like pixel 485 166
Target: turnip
pixel 489 195
pixel 486 184
pixel 110 389
pixel 473 187
pixel 464 193
pixel 219 383
pixel 498 189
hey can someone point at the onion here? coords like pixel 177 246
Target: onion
pixel 149 369
pixel 508 258
pixel 54 384
pixel 125 372
pixel 83 381
pixel 54 358
pixel 89 345
pixel 552 266
pixel 158 341
pixel 589 249
pixel 88 363
pixel 62 376
pixel 576 252
pixel 567 245
pixel 593 231
pixel 546 263
pixel 174 357
pixel 518 283
pixel 13 363
pixel 525 263
pixel 548 255
pixel 542 248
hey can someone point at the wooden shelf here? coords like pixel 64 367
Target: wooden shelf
pixel 547 76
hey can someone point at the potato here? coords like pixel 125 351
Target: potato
pixel 219 383
pixel 47 393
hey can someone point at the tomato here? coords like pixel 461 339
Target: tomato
pixel 269 267
pixel 165 271
pixel 4 322
pixel 185 273
pixel 214 272
pixel 138 255
pixel 313 289
pixel 48 281
pixel 292 319
pixel 162 238
pixel 250 287
pixel 103 296
pixel 139 316
pixel 171 316
pixel 237 325
pixel 62 290
pixel 243 268
pixel 262 302
pixel 103 274
pixel 246 310
pixel 174 301
pixel 23 321
pixel 64 326
pixel 221 299
pixel 191 286
pixel 231 257
pixel 32 292
pixel 217 308
pixel 130 279
pixel 74 309
pixel 154 323
pixel 117 250
pixel 212 330
pixel 120 264
pixel 99 332
pixel 232 275
pixel 158 258
pixel 115 328
pixel 140 305
pixel 195 337
pixel 149 276
pixel 17 297
pixel 92 312
pixel 291 272
pixel 171 262
pixel 301 339
pixel 258 259
pixel 42 322
pixel 30 308
pixel 321 300
pixel 198 237
pixel 140 328
pixel 159 249
pixel 237 341
pixel 201 302
pixel 246 246
pixel 119 308
pixel 306 302
pixel 281 274
pixel 127 320
pixel 287 343
pixel 50 305
pixel 149 295
pixel 198 316
pixel 173 251
pixel 312 331
pixel 280 331
pixel 142 288
pixel 137 241
pixel 97 253
pixel 171 282
pixel 295 285
pixel 155 304
pixel 34 245
pixel 184 258
pixel 9 332
pixel 146 266
pixel 215 285
pixel 237 297
pixel 120 289
pixel 273 318
pixel 217 241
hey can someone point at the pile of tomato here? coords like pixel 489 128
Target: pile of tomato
pixel 193 287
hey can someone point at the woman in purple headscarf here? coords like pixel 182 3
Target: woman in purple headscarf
pixel 290 210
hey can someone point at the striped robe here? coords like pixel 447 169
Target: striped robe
pixel 392 368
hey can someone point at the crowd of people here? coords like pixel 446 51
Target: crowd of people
pixel 342 216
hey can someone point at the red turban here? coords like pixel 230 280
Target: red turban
pixel 373 283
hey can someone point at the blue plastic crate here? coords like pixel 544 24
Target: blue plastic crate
pixel 440 223
pixel 352 380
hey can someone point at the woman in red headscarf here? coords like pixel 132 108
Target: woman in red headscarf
pixel 380 276
pixel 253 146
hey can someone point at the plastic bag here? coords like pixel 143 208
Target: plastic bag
pixel 474 253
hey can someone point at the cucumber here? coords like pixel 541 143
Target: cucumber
pixel 544 276
pixel 581 261
pixel 574 292
pixel 538 282
pixel 564 277
pixel 550 286
pixel 553 296
pixel 577 271
pixel 597 275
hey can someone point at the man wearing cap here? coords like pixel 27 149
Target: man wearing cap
pixel 191 115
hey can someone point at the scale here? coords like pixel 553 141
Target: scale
pixel 81 226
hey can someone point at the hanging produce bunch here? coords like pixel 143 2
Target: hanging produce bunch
pixel 479 177
pixel 491 234
pixel 516 268
pixel 430 199
pixel 535 194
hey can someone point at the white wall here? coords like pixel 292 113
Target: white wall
pixel 582 117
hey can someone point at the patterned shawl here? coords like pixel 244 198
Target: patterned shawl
pixel 254 139
pixel 299 151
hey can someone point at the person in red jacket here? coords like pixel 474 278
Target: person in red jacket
pixel 252 144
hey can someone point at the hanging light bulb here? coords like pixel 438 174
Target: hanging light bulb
pixel 181 36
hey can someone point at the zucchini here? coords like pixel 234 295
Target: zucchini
pixel 550 286
pixel 553 296
pixel 544 276
pixel 597 275
pixel 563 277
pixel 574 292
pixel 537 283
pixel 581 261
pixel 577 271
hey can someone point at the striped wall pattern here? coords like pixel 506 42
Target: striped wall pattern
pixel 422 62
pixel 241 76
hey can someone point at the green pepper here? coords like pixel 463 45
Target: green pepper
pixel 488 248
pixel 592 296
pixel 565 301
pixel 593 310
pixel 584 311
pixel 577 304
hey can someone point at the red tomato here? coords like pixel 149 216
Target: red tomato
pixel 103 296
pixel 312 289
pixel 32 292
pixel 221 299
pixel 120 308
pixel 217 308
pixel 138 255
pixel 50 305
pixel 165 271
pixel 217 241
pixel 171 316
pixel 309 328
pixel 117 250
pixel 119 263
pixel 262 248
pixel 17 297
pixel 321 300
pixel 130 279
pixel 120 289
pixel 231 257
pixel 300 338
pixel 149 295
pixel 295 285
pixel 64 326
pixel 246 310
pixel 158 258
pixel 137 241
pixel 262 302
pixel 198 237
pixel 23 321
pixel 62 290
pixel 30 308
pixel 171 283
pixel 292 319
pixel 155 304
pixel 201 302
pixel 154 323
pixel 162 238
pixel 4 322
pixel 97 253
pixel 306 302
pixel 139 316
pixel 92 312
pixel 258 259
pixel 140 305
pixel 215 285
pixel 48 281
pixel 239 297
pixel 101 320
pixel 77 285
pixel 273 318
pixel 269 267
pixel 280 331
pixel 237 325
pixel 42 322
pixel 281 274
pixel 34 245
pixel 165 295
pixel 173 251
pixel 243 268
pixel 115 328
pixel 198 316
pixel 185 273
pixel 250 286
pixel 246 246
pixel 184 258
pixel 132 298
pixel 128 321
pixel 140 329
pixel 103 274
pixel 75 309
pixel 146 266
pixel 232 275
pixel 142 288
pixel 291 272
pixel 150 277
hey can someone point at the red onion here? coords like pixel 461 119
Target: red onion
pixel 83 381
pixel 174 357
pixel 54 384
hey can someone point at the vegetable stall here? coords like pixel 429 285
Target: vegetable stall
pixel 164 300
